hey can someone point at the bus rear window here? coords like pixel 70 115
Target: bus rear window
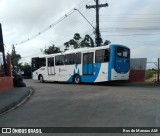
pixel 123 52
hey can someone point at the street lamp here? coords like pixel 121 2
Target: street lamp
pixel 85 18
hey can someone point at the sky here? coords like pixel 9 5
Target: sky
pixel 133 23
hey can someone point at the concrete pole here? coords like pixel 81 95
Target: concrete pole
pixel 158 70
pixel 9 73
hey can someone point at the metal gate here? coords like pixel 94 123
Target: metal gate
pixel 137 69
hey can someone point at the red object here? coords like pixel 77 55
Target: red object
pixel 9 72
pixel 6 83
pixel 137 76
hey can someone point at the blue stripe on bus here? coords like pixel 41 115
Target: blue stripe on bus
pixel 85 69
pixel 92 78
pixel 88 78
pixel 111 61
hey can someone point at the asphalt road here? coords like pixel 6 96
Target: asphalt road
pixel 87 105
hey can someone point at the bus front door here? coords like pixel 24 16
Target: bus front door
pixel 88 63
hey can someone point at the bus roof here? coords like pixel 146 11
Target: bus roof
pixel 80 50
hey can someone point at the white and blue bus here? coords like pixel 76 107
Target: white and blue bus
pixel 91 65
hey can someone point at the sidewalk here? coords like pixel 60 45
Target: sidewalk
pixel 12 97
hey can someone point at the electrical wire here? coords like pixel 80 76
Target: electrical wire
pixel 54 24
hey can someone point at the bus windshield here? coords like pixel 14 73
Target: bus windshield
pixel 123 52
pixel 38 63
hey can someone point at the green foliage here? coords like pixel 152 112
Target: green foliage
pixel 87 42
pixel 51 50
pixel 106 42
pixel 149 74
pixel 15 58
pixel 77 36
pixel 76 43
pixel 25 67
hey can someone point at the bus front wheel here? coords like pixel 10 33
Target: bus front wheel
pixel 41 79
pixel 77 79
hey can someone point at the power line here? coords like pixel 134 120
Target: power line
pixel 130 34
pixel 29 56
pixel 46 29
pixel 54 24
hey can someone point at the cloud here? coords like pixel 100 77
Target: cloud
pixel 23 19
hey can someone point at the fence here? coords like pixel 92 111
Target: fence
pixel 137 69
pixel 153 71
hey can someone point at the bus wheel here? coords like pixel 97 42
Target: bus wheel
pixel 77 79
pixel 41 79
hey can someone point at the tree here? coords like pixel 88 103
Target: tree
pixel 87 41
pixel 15 58
pixel 77 42
pixel 51 50
pixel 77 36
pixel 26 68
pixel 106 42
pixel 74 43
pixel 67 45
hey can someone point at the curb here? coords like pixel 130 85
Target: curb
pixel 17 103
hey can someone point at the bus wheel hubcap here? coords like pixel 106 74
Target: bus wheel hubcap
pixel 77 79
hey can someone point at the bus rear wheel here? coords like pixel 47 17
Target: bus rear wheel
pixel 77 79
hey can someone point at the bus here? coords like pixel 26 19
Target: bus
pixel 86 65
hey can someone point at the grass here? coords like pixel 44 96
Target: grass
pixel 149 74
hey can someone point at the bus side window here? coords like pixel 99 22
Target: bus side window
pixel 70 59
pixel 78 58
pixel 107 56
pixel 61 60
pixel 57 60
pixel 42 62
pixel 102 56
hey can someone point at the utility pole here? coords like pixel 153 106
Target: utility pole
pixel 98 38
pixel 2 50
pixel 158 69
